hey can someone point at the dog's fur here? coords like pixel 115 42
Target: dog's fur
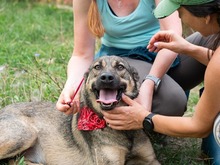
pixel 44 135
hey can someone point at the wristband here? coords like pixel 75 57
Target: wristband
pixel 155 80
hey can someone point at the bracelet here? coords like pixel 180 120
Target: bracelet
pixel 156 81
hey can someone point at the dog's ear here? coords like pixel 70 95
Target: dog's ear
pixel 86 74
pixel 135 74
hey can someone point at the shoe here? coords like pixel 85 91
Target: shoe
pixel 216 129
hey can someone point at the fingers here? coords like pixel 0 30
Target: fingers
pixel 63 102
pixel 62 106
pixel 117 127
pixel 123 124
pixel 68 107
pixel 66 104
pixel 156 43
pixel 127 100
pixel 112 115
pixel 68 111
pixel 118 124
pixel 127 117
pixel 122 112
pixel 74 108
pixel 153 49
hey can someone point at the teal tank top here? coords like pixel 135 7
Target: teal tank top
pixel 131 31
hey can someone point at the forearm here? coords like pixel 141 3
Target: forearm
pixel 177 126
pixel 201 54
pixel 146 94
pixel 166 57
pixel 77 66
pixel 162 62
pixel 160 66
pixel 84 45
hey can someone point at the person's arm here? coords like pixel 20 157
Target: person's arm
pixel 172 41
pixel 199 125
pixel 166 57
pixel 83 54
pixel 162 62
pixel 205 112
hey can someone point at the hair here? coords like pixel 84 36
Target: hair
pixel 94 20
pixel 204 10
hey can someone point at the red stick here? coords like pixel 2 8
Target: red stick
pixel 76 90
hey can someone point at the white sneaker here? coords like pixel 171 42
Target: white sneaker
pixel 216 129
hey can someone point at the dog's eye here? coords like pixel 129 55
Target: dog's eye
pixel 97 67
pixel 120 67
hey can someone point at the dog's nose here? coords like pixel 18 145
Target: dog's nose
pixel 107 78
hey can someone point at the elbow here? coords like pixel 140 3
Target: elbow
pixel 202 134
pixel 199 129
pixel 205 134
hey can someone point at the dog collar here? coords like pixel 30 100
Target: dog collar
pixel 88 120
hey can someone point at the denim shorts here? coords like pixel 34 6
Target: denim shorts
pixel 216 130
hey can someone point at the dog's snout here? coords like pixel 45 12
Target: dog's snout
pixel 107 77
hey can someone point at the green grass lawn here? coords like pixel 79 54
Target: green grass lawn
pixel 36 42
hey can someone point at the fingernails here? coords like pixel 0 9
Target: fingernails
pixel 156 44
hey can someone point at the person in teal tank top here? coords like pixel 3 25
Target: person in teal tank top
pixel 125 28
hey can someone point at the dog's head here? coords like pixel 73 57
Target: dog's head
pixel 107 78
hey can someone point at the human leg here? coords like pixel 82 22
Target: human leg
pixel 211 144
pixel 169 99
pixel 216 129
pixel 189 73
pixel 211 149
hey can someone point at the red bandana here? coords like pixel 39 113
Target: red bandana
pixel 89 120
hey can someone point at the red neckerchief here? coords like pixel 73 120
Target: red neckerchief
pixel 88 120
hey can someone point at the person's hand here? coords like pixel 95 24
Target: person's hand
pixel 168 40
pixel 66 104
pixel 128 117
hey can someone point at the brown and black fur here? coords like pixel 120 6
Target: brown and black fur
pixel 44 135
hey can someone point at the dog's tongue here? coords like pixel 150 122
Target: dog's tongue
pixel 107 96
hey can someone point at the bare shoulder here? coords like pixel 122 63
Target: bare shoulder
pixel 81 5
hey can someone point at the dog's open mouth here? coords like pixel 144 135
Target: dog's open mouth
pixel 108 98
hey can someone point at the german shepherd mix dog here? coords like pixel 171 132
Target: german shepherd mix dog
pixel 44 135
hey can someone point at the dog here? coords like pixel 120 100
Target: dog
pixel 44 135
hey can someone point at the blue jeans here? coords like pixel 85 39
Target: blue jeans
pixel 210 146
pixel 211 149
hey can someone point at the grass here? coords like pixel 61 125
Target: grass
pixel 36 44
